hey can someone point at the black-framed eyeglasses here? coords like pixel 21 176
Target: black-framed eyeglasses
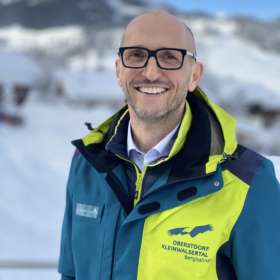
pixel 166 58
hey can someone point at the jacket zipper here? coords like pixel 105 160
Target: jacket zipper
pixel 139 183
pixel 138 191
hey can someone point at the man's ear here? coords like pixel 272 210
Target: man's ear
pixel 117 70
pixel 195 76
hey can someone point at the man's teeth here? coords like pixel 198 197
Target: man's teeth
pixel 152 90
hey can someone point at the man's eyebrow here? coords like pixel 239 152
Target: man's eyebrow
pixel 145 47
pixel 136 46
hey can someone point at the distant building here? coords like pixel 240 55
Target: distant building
pixel 19 75
pixel 88 88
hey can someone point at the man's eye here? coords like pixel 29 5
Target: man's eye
pixel 169 56
pixel 137 54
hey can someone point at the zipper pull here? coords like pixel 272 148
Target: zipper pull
pixel 228 157
pixel 89 126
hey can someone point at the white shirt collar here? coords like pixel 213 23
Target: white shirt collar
pixel 160 150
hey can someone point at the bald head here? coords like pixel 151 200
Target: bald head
pixel 167 28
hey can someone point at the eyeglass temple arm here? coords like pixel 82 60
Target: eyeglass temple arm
pixel 191 55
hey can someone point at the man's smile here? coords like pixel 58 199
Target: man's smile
pixel 151 90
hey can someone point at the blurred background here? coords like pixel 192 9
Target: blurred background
pixel 57 72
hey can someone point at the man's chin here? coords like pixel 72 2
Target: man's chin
pixel 149 116
pixel 148 113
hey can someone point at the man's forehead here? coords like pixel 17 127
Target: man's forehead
pixel 156 27
pixel 155 16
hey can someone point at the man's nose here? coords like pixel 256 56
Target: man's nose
pixel 151 71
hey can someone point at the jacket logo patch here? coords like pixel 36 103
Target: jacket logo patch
pixel 85 210
pixel 193 232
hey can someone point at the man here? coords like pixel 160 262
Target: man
pixel 162 190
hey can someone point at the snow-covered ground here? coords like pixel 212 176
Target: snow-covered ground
pixel 34 166
pixel 29 274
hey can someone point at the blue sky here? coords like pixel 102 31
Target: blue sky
pixel 267 9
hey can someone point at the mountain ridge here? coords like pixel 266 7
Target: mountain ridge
pixel 98 15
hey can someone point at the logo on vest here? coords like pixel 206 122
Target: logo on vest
pixel 85 210
pixel 192 233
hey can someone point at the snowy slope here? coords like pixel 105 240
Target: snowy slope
pixel 226 55
pixel 57 39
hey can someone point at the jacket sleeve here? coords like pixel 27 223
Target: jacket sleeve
pixel 255 237
pixel 66 263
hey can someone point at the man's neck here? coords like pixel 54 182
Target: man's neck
pixel 147 134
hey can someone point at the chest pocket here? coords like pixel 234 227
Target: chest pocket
pixel 94 227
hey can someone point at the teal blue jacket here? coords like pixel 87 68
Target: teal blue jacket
pixel 210 210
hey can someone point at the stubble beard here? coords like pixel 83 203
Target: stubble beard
pixel 169 111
